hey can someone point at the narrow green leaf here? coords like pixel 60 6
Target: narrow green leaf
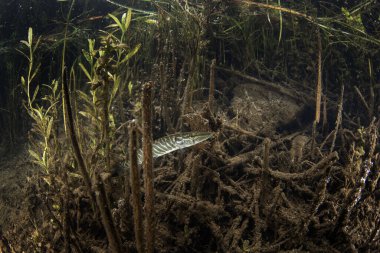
pixel 23 83
pixel 91 45
pixel 54 84
pixel 86 114
pixel 85 71
pixel 112 26
pixel 128 20
pixel 117 21
pixel 38 113
pixel 35 72
pixel 87 56
pixel 151 21
pixel 25 43
pixel 111 121
pixel 27 57
pixel 37 44
pixel 34 155
pixel 130 87
pixel 115 87
pixel 84 96
pixel 123 18
pixel 35 93
pixel 30 36
pixel 131 53
pixel 50 107
pixel 49 127
pixel 89 115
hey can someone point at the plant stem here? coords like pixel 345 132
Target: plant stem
pixel 148 166
pixel 135 186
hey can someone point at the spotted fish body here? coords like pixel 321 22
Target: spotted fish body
pixel 174 142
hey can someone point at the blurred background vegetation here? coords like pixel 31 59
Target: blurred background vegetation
pixel 257 38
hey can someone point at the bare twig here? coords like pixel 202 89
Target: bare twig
pixel 338 118
pixel 362 99
pixel 212 85
pixel 242 131
pixel 312 172
pixel 248 156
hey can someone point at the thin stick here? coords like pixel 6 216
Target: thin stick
pixel 164 100
pixel 148 166
pixel 362 99
pixel 318 93
pixel 314 138
pixel 266 152
pixel 135 185
pixel 371 90
pixel 211 93
pixel 324 119
pixel 338 118
pixel 186 103
pixel 255 205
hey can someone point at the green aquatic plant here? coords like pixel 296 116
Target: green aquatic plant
pixel 105 68
pixel 43 138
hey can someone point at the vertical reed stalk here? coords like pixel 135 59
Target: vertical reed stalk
pixel 75 144
pixel 187 96
pixel 324 119
pixel 66 212
pixel 106 127
pixel 266 152
pixel 212 85
pixel 127 185
pixel 164 99
pixel 135 186
pixel 371 101
pixel 264 184
pixel 338 118
pixel 105 213
pixel 69 122
pixel 148 166
pixel 313 138
pixel 319 80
